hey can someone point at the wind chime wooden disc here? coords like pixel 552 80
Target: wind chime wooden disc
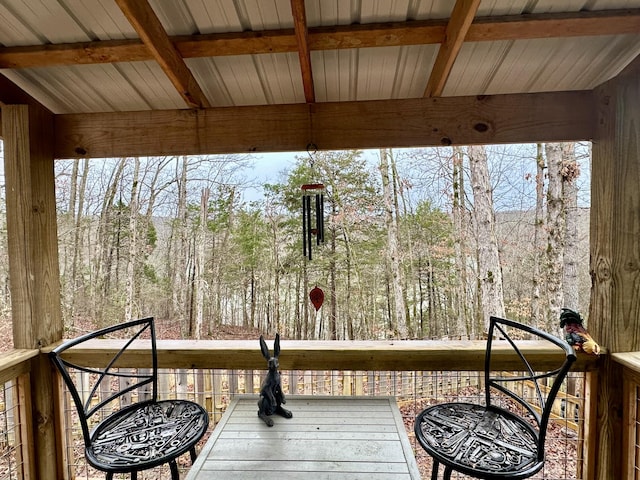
pixel 316 295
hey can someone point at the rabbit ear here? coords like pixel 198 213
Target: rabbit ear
pixel 276 346
pixel 264 348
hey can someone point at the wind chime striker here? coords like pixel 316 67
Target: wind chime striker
pixel 310 210
pixel 316 295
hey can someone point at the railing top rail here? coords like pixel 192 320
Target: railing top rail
pixel 395 355
pixel 631 360
pixel 15 362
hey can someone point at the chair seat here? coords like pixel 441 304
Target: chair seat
pixel 146 435
pixel 479 441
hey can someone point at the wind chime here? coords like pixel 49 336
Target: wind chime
pixel 313 225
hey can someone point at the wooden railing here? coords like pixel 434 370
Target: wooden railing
pixel 630 363
pixel 396 355
pixel 17 457
pixel 346 368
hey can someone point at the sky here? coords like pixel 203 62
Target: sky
pixel 272 167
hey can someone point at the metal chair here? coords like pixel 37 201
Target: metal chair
pixel 505 437
pixel 139 432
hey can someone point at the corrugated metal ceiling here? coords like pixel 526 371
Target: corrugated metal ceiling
pixel 505 66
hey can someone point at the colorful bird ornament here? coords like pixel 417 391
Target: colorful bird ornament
pixel 575 333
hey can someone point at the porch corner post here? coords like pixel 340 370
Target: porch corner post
pixel 28 135
pixel 614 313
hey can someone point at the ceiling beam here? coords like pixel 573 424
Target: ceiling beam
pixel 462 16
pixel 421 122
pixel 555 25
pixel 300 28
pixel 512 27
pixel 155 38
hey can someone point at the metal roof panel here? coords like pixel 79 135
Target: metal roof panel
pixel 99 88
pixel 484 68
pixel 250 79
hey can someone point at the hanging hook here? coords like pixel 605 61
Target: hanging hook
pixel 312 149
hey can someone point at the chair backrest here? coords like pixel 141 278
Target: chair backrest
pixel 96 382
pixel 536 386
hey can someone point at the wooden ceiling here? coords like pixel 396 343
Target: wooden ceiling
pixel 431 117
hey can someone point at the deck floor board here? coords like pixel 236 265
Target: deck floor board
pixel 327 438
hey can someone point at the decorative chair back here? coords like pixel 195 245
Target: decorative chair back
pixel 536 387
pixel 91 386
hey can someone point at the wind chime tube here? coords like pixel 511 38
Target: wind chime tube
pixel 304 225
pixel 318 220
pixel 307 221
pixel 321 219
pixel 309 231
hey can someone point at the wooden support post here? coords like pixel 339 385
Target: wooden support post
pixel 33 261
pixel 615 268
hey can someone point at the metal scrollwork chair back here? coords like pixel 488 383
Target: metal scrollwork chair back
pixel 505 437
pixel 126 429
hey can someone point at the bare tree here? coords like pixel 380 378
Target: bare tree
pixel 392 250
pixel 570 174
pixel 199 284
pixel 555 231
pixel 463 304
pixel 177 254
pixel 538 316
pixel 273 216
pixel 131 311
pixel 489 268
pixel 108 240
pixel 71 221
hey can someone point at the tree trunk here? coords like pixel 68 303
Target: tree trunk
pixel 489 269
pixel 462 306
pixel 179 259
pixel 570 287
pixel 555 233
pixel 538 313
pixel 72 254
pixel 200 260
pixel 219 250
pixel 78 257
pixel 273 295
pixel 333 312
pixel 106 244
pixel 161 308
pixel 570 174
pixel 130 310
pixel 404 289
pixel 69 246
pixel 399 320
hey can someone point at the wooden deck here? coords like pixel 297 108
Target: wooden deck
pixel 327 438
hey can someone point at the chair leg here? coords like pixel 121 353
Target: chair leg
pixel 447 474
pixel 109 476
pixel 134 475
pixel 434 470
pixel 193 454
pixel 175 475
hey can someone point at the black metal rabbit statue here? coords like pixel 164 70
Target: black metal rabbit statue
pixel 271 395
